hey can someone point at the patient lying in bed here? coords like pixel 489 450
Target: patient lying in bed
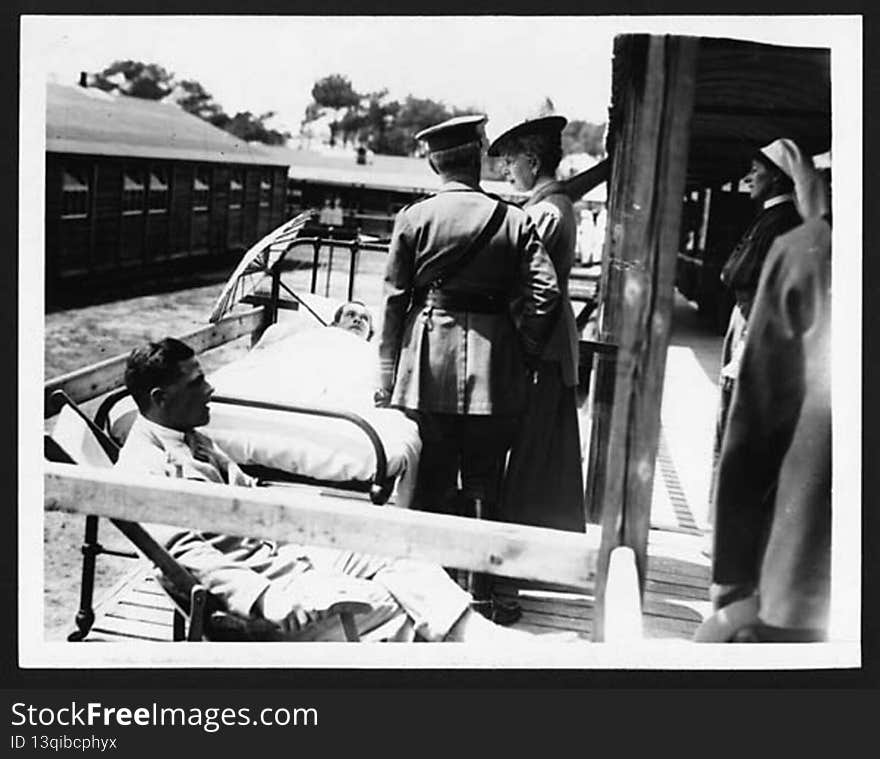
pixel 302 363
pixel 307 364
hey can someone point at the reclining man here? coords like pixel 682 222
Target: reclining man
pixel 290 585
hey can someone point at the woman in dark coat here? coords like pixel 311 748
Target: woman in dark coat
pixel 770 184
pixel 544 482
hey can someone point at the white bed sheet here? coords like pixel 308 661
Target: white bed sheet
pixel 318 367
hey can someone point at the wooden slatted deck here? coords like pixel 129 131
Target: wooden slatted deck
pixel 676 600
pixel 676 594
pixel 135 609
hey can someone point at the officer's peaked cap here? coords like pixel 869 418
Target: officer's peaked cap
pixel 453 132
pixel 549 125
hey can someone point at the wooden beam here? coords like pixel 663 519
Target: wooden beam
pixel 93 381
pixel 654 93
pixel 262 299
pixel 580 184
pixel 304 515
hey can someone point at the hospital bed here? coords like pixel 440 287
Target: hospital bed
pixel 297 408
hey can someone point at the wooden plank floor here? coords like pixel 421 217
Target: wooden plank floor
pixel 676 594
pixel 136 609
pixel 676 600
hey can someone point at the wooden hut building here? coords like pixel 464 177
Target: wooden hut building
pixel 138 189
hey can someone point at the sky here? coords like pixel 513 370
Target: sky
pixel 502 66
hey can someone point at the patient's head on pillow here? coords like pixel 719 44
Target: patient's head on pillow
pixel 355 317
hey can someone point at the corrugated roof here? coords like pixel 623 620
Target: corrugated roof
pixel 746 95
pixel 749 94
pixel 80 120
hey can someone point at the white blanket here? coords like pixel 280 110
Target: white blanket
pixel 323 367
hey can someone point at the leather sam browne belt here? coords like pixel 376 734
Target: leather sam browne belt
pixel 456 300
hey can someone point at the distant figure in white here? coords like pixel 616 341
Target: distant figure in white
pixel 337 215
pixel 591 235
pixel 326 215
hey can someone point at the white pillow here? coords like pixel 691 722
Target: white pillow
pixel 74 436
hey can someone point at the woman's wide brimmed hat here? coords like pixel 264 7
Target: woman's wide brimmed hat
pixel 550 125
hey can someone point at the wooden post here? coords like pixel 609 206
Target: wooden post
pixel 352 265
pixel 270 310
pixel 93 218
pixel 652 102
pixel 597 456
pixel 315 259
pixel 191 215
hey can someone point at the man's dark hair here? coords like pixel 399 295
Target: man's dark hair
pixel 338 315
pixel 461 159
pixel 154 365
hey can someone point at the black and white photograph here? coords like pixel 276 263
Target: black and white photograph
pixel 446 342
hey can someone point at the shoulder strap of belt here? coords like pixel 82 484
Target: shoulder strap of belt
pixel 466 254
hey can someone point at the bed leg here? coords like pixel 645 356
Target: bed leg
pixel 85 617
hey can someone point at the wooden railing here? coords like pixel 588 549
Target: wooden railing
pixel 307 516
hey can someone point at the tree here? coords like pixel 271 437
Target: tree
pixel 417 114
pixel 153 82
pixel 334 94
pixel 372 118
pixel 380 129
pixel 250 128
pixel 335 91
pixel 584 137
pixel 141 80
pixel 194 99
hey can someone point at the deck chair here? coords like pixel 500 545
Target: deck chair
pixel 198 614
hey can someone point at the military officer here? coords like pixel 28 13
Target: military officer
pixel 470 295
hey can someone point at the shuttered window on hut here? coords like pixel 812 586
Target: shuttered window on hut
pixel 265 189
pixel 133 192
pixel 236 189
pixel 201 191
pixel 75 194
pixel 158 200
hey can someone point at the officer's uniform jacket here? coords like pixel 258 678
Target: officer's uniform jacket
pixel 460 361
